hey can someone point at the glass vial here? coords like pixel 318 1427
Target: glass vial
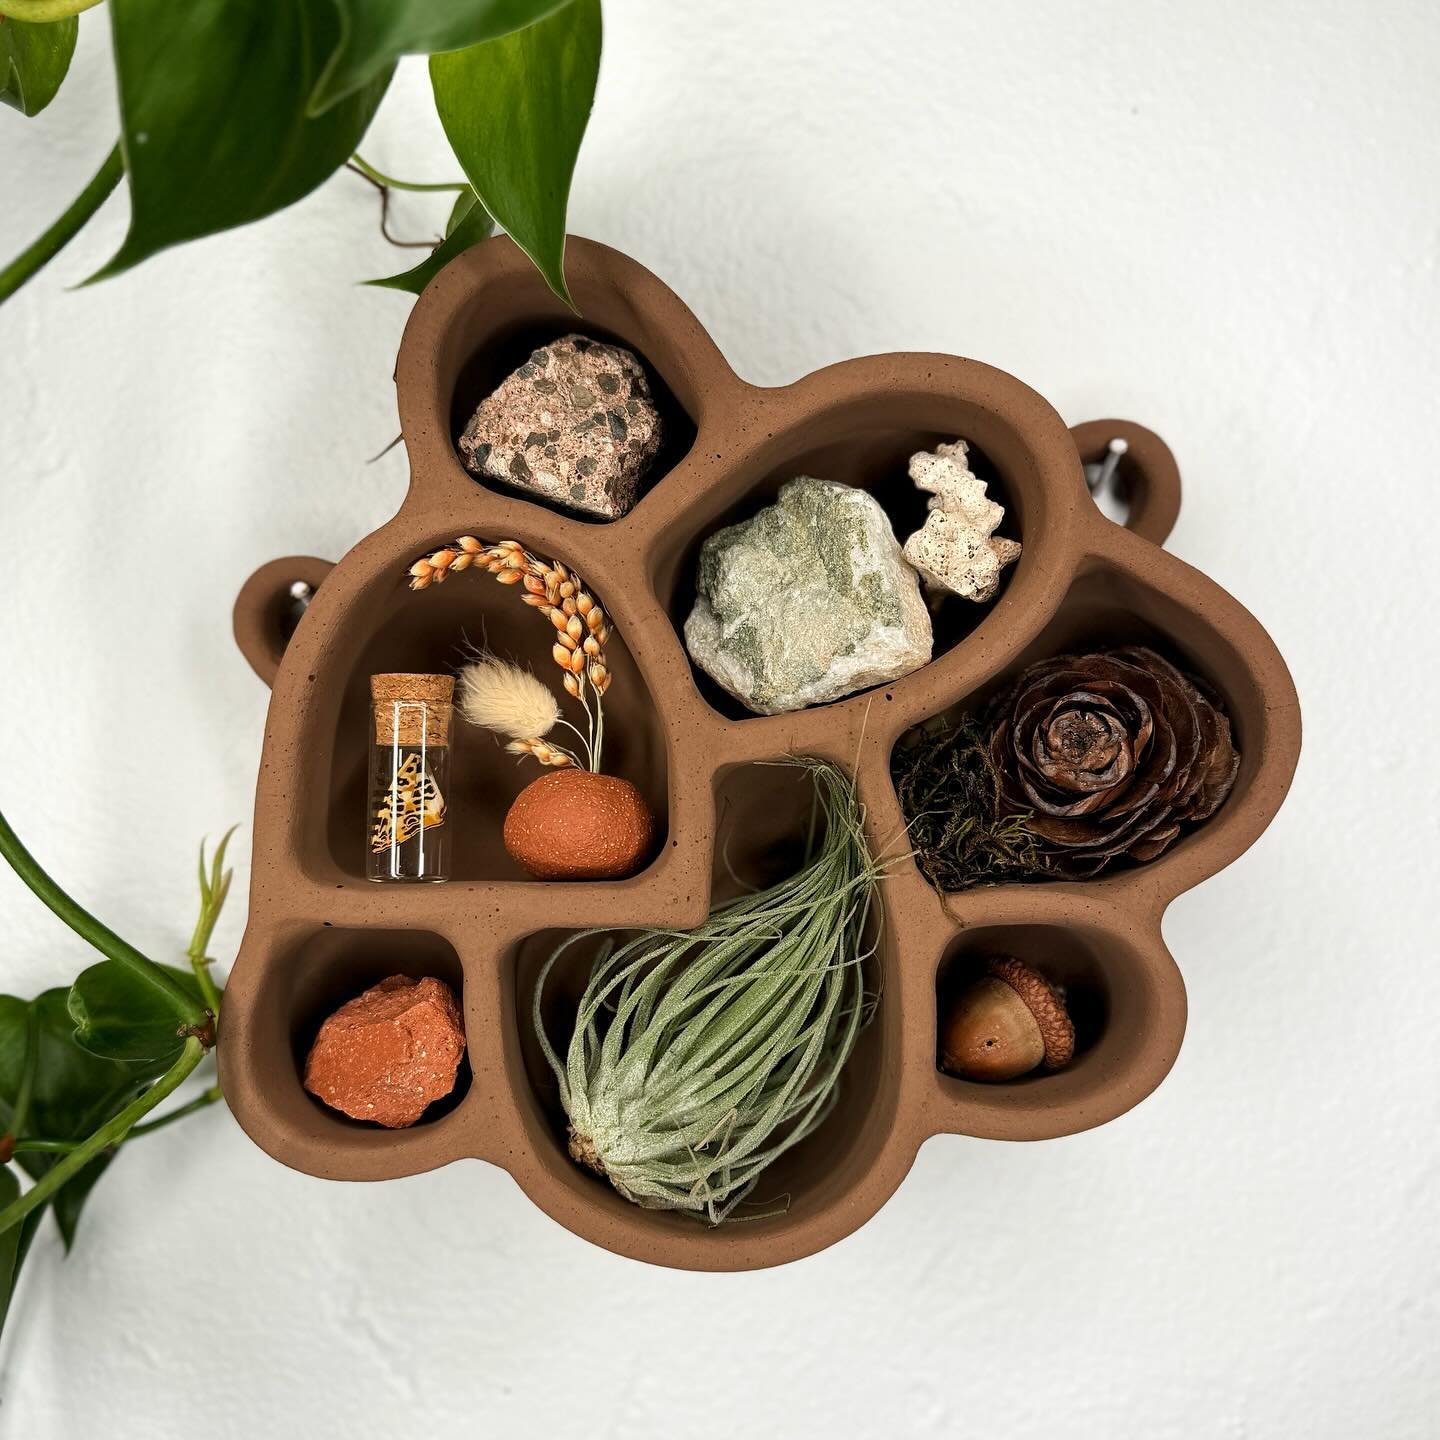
pixel 408 831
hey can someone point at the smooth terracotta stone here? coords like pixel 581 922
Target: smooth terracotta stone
pixel 576 825
pixel 390 1053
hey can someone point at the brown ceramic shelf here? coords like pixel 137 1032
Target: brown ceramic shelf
pixel 318 932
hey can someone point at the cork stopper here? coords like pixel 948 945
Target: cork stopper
pixel 412 709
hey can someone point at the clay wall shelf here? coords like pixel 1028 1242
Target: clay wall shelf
pixel 318 932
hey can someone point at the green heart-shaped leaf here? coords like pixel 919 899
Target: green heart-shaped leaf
pixel 14 1242
pixel 10 1257
pixel 213 97
pixel 34 59
pixel 120 1017
pixel 469 224
pixel 465 202
pixel 515 111
pixel 376 33
pixel 75 1092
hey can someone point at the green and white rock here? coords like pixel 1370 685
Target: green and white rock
pixel 809 600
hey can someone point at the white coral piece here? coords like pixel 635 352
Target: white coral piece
pixel 956 549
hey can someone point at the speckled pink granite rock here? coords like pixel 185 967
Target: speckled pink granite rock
pixel 389 1053
pixel 575 424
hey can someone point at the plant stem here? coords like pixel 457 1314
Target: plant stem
pixel 49 245
pixel 380 178
pixel 214 887
pixel 384 192
pixel 589 724
pixel 200 963
pixel 212 901
pixel 21 1112
pixel 112 1132
pixel 583 739
pixel 99 935
pixel 38 12
pixel 204 1098
pixel 64 1147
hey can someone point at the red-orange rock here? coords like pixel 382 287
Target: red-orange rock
pixel 388 1054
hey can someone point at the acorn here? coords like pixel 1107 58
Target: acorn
pixel 1005 1025
pixel 578 825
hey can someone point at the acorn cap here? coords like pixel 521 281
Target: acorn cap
pixel 1044 1003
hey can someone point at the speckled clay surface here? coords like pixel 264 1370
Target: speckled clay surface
pixel 319 933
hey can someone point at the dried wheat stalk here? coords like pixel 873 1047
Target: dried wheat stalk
pixel 558 593
pixel 543 751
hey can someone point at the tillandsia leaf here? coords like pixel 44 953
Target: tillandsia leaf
pixel 698 1057
pixel 469 224
pixel 119 1018
pixel 34 60
pixel 74 1092
pixel 213 97
pixel 376 33
pixel 515 111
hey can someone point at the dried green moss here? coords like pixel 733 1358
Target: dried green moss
pixel 950 793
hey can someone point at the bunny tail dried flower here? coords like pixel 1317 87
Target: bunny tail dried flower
pixel 699 1057
pixel 502 697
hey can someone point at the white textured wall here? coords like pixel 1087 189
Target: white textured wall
pixel 1221 220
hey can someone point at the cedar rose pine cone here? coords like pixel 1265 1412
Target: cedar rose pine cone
pixel 1110 753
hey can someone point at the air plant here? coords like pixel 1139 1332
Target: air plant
pixel 698 1057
